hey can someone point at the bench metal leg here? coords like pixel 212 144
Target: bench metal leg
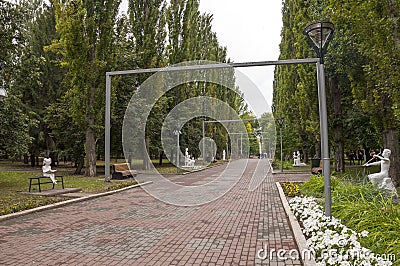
pixel 30 184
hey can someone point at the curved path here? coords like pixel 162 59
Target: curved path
pixel 133 228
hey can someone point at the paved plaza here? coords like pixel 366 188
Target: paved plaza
pixel 133 228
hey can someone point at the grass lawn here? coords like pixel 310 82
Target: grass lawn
pixel 14 180
pixel 13 183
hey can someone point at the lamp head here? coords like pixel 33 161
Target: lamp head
pixel 320 34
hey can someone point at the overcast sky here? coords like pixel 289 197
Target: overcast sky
pixel 251 32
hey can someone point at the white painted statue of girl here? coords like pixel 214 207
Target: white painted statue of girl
pixel 47 171
pixel 382 180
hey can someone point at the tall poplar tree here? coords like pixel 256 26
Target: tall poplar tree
pixel 374 28
pixel 86 29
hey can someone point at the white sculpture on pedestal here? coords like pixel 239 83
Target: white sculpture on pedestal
pixel 223 155
pixel 296 158
pixel 382 180
pixel 189 162
pixel 47 172
pixel 187 157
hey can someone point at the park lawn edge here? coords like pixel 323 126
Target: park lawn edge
pixel 67 202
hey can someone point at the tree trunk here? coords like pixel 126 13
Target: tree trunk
pixel 318 149
pixel 391 142
pixel 305 156
pixel 146 151
pixel 337 124
pixel 394 15
pixel 33 162
pixel 161 158
pixel 90 153
pixel 78 169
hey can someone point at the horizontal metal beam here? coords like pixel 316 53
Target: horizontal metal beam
pixel 215 66
pixel 238 120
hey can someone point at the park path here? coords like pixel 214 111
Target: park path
pixel 133 228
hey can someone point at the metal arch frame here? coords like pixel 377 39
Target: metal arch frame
pixel 321 101
pixel 232 120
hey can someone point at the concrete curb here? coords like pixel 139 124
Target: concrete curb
pixel 308 259
pixel 67 202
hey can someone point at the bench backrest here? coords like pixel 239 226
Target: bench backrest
pixel 121 167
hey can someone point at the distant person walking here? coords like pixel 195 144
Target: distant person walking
pixel 360 156
pixel 352 157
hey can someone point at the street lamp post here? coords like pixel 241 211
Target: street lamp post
pixel 177 132
pixel 320 34
pixel 257 134
pixel 280 122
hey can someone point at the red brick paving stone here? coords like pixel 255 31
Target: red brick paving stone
pixel 132 228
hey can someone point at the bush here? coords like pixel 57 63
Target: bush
pixel 362 207
pixel 315 186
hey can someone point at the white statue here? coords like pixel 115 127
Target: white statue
pixel 47 171
pixel 189 162
pixel 187 157
pixel 382 180
pixel 296 158
pixel 223 155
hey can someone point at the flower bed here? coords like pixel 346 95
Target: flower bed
pixel 331 242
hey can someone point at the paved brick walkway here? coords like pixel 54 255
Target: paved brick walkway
pixel 133 228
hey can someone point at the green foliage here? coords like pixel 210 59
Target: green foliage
pixel 29 204
pixel 361 66
pixel 362 207
pixel 86 43
pixel 15 127
pixel 122 185
pixel 55 56
pixel 287 165
pixel 315 186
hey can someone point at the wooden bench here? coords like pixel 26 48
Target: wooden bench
pixel 48 181
pixel 316 169
pixel 122 171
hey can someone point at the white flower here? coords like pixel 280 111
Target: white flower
pixel 364 233
pixel 325 234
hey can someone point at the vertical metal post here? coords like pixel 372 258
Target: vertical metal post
pixel 227 147
pixel 203 151
pixel 107 129
pixel 324 138
pixel 177 150
pixel 241 145
pixel 280 133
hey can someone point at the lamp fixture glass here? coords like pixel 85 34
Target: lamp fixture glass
pixel 320 34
